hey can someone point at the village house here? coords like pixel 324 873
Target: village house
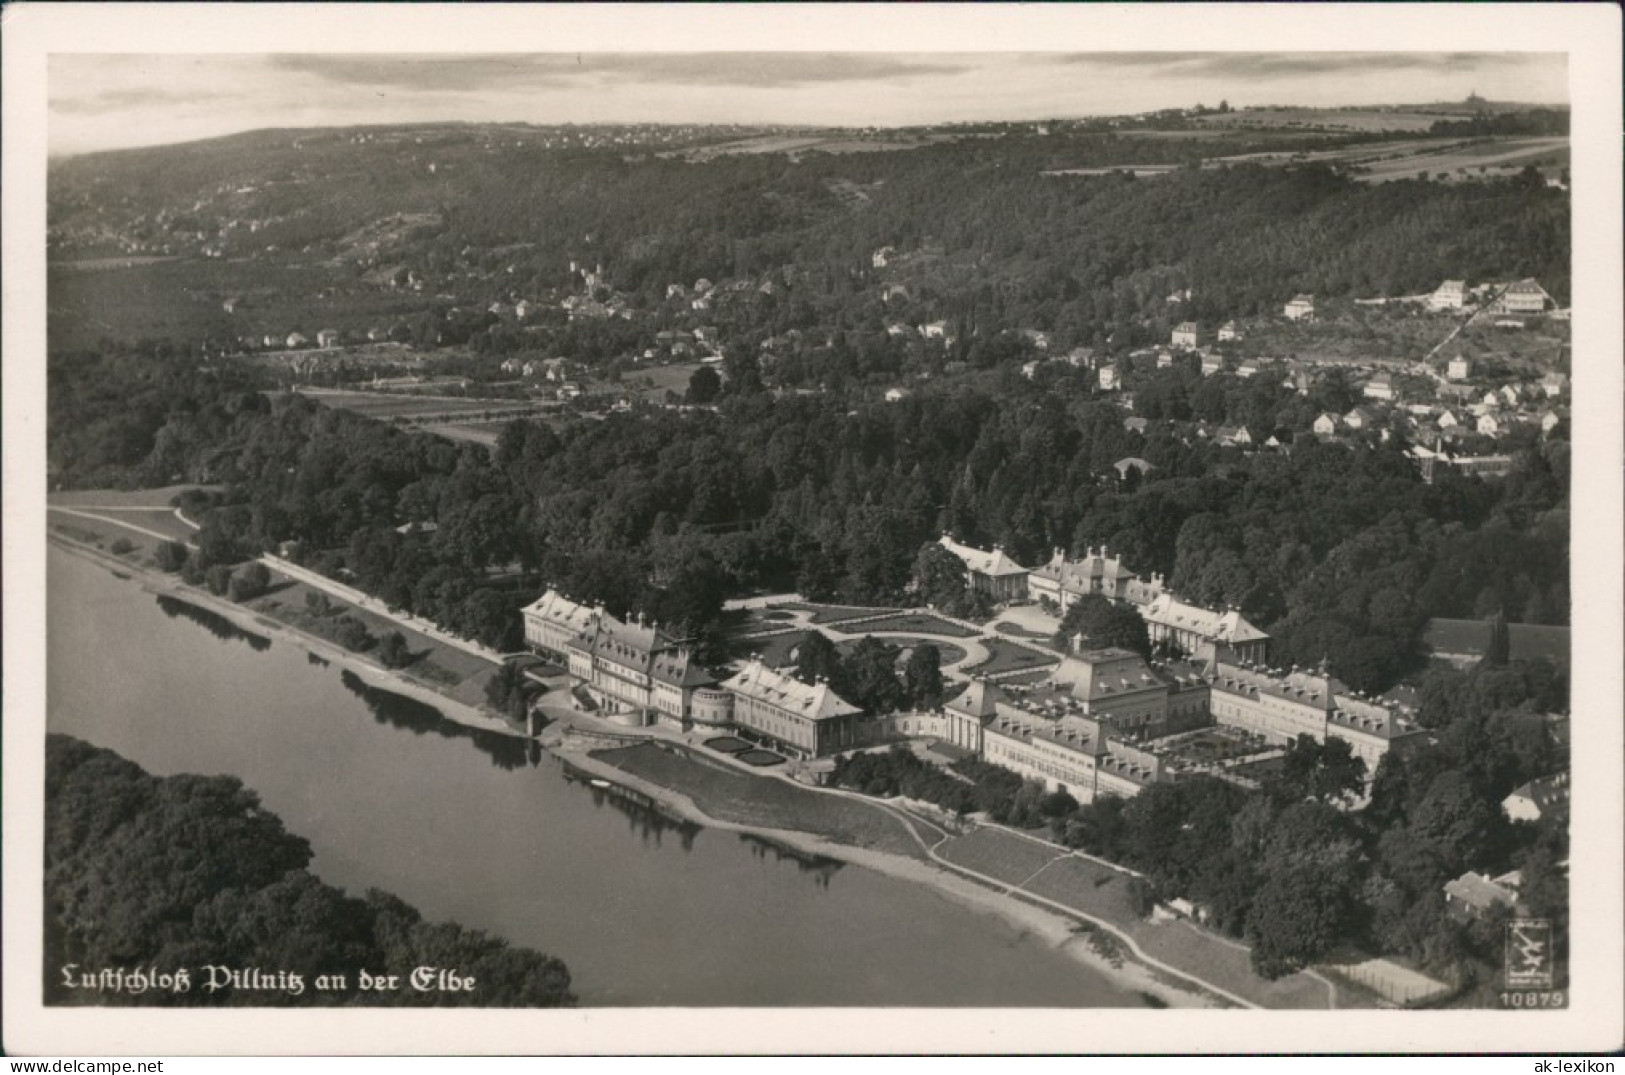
pixel 1545 797
pixel 1187 335
pixel 882 257
pixel 1357 418
pixel 297 339
pixel 1510 395
pixel 1459 368
pixel 1029 370
pixel 1039 340
pixel 1473 896
pixel 1521 298
pixel 327 338
pixel 935 330
pixel 1380 387
pixel 894 395
pixel 1447 420
pixel 1325 425
pixel 1136 425
pixel 1451 295
pixel 1300 308
pixel 802 719
pixel 1549 420
pixel 1165 359
pixel 1247 369
pixel 1132 464
pixel 1554 385
pixel 1228 332
pixel 1489 425
pixel 1233 437
pixel 1080 358
pixel 1108 378
pixel 1211 364
pixel 991 573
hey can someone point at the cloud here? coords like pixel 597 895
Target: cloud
pixel 542 71
pixel 1256 66
pixel 98 104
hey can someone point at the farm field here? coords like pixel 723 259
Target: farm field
pixel 1506 155
pixel 394 405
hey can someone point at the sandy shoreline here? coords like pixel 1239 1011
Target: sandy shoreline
pixel 1056 929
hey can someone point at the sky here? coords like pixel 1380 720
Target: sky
pixel 107 101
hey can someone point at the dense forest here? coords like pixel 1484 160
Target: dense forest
pixel 1338 550
pixel 166 873
pixel 983 236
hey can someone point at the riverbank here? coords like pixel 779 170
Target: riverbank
pixel 1056 930
pixel 370 672
pixel 1097 940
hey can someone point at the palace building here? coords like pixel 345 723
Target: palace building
pixel 992 573
pixel 804 719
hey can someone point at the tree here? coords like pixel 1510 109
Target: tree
pixel 1499 649
pixel 393 651
pixel 249 581
pixel 218 578
pixel 704 385
pixel 170 556
pixel 871 676
pixel 940 578
pixel 817 660
pixel 1103 624
pixel 1305 905
pixel 506 690
pixel 922 677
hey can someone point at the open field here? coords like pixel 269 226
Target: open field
pixel 653 382
pixel 998 854
pixel 123 498
pixel 393 405
pixel 729 795
pixel 1498 155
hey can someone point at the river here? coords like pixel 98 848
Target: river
pixel 495 834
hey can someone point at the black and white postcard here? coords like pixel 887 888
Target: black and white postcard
pixel 812 528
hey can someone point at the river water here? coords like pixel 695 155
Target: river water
pixel 489 831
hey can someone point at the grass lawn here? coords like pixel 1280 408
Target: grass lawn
pixel 774 650
pixel 822 614
pixel 919 623
pixel 1015 630
pixel 454 672
pixel 1006 656
pixel 1102 892
pixel 997 854
pixel 102 535
pixel 728 744
pixel 761 758
pixel 123 498
pixel 743 799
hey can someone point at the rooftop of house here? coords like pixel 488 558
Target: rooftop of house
pixel 1168 611
pixel 1097 675
pixel 981 561
pixel 815 701
pixel 1478 891
pixel 1545 792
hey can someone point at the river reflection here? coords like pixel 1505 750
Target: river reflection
pixel 646 817
pixel 820 867
pixel 398 711
pixel 216 624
